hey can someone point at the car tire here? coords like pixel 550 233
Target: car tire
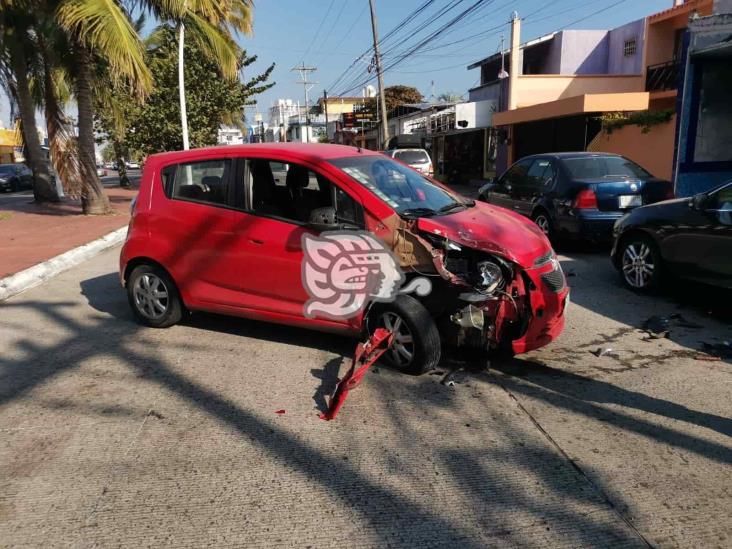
pixel 640 263
pixel 417 347
pixel 154 297
pixel 542 220
pixel 15 186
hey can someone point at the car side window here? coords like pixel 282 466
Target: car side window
pixel 516 175
pixel 206 181
pixel 541 173
pixel 290 191
pixel 722 199
pixel 347 209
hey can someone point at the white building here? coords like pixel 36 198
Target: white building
pixel 230 136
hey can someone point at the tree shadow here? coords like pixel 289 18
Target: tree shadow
pixel 583 396
pixel 398 518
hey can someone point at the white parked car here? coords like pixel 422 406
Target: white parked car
pixel 133 166
pixel 418 159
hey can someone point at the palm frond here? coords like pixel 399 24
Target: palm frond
pixel 216 43
pixel 105 28
pixel 62 145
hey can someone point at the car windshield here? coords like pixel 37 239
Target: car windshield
pixel 6 170
pixel 412 157
pixel 405 190
pixel 597 167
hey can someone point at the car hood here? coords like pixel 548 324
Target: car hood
pixel 491 229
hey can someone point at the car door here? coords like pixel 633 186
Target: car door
pixel 271 256
pixel 531 190
pixel 199 229
pixel 699 243
pixel 506 190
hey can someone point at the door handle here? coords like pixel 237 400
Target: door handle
pixel 256 241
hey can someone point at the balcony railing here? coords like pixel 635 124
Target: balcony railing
pixel 663 76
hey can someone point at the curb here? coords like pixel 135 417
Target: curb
pixel 38 274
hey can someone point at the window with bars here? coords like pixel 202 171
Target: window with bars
pixel 629 47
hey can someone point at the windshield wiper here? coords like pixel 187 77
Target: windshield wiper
pixel 456 205
pixel 418 212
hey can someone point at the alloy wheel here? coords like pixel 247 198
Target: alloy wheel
pixel 402 349
pixel 638 265
pixel 543 223
pixel 151 296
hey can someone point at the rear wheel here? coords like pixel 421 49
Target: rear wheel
pixel 640 263
pixel 416 348
pixel 154 297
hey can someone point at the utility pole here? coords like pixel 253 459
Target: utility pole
pixel 377 60
pixel 325 108
pixel 307 86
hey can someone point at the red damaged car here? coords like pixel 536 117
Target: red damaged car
pixel 225 230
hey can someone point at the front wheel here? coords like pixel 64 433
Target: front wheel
pixel 154 297
pixel 640 264
pixel 416 347
pixel 543 221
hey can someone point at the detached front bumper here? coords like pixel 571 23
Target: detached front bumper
pixel 547 318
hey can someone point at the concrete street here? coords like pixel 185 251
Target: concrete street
pixel 118 435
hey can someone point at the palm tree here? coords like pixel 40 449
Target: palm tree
pixel 99 28
pixel 212 25
pixel 104 27
pixel 16 49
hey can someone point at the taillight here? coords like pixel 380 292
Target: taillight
pixel 585 200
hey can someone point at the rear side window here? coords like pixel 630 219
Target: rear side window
pixel 540 173
pixel 206 181
pixel 412 157
pixel 597 167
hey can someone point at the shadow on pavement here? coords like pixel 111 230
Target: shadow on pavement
pixel 397 518
pixel 585 396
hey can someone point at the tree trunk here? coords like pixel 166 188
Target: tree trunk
pixel 43 189
pixel 93 199
pixel 124 181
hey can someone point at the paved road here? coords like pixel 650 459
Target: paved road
pixel 115 435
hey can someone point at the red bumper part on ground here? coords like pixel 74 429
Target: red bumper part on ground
pixel 366 355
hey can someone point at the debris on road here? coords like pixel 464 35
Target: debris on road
pixel 718 350
pixel 605 352
pixel 366 355
pixel 279 412
pixel 155 414
pixel 657 327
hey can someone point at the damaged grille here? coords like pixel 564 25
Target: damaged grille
pixel 546 258
pixel 554 280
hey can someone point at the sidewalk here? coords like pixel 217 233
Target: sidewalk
pixel 31 234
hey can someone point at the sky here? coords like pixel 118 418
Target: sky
pixel 331 34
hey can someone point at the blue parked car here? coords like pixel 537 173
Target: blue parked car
pixel 577 195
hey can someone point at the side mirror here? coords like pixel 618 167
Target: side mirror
pixel 698 201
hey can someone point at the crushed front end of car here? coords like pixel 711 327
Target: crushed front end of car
pixel 483 296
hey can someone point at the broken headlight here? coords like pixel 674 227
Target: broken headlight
pixel 490 276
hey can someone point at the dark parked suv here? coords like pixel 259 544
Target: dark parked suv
pixel 14 177
pixel 578 195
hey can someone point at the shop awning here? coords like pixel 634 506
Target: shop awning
pixel 571 106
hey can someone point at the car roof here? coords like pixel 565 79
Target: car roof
pixel 577 154
pixel 307 151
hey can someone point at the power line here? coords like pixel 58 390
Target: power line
pixel 333 25
pixel 403 25
pixel 435 34
pixel 320 26
pixel 388 35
